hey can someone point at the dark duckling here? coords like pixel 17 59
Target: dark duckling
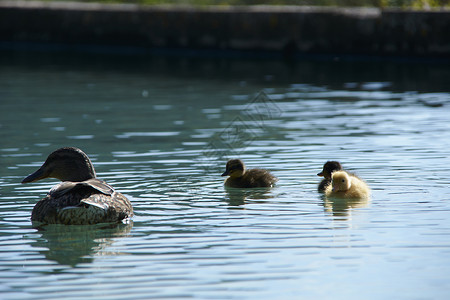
pixel 328 168
pixel 81 198
pixel 239 177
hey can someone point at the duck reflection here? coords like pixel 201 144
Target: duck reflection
pixel 340 207
pixel 238 197
pixel 75 244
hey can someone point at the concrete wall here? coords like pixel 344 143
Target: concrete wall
pixel 278 30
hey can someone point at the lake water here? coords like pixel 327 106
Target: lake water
pixel 161 129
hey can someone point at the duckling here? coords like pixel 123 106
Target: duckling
pixel 242 178
pixel 328 168
pixel 345 185
pixel 81 198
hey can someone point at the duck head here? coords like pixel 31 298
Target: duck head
pixel 234 168
pixel 65 164
pixel 340 181
pixel 328 168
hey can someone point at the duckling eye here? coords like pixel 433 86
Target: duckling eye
pixel 343 180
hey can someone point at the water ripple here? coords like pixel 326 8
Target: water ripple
pixel 192 238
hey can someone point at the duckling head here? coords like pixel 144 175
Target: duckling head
pixel 340 181
pixel 65 164
pixel 328 168
pixel 234 168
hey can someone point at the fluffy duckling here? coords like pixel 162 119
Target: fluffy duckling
pixel 81 198
pixel 242 178
pixel 345 185
pixel 328 168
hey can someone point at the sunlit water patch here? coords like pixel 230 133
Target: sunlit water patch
pixel 161 130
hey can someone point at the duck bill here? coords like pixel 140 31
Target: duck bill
pixel 38 175
pixel 226 173
pixel 320 174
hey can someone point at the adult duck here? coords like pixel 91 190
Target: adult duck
pixel 81 198
pixel 240 177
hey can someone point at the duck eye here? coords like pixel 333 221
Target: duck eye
pixel 343 180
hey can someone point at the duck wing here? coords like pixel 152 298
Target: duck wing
pixel 87 202
pixel 97 208
pixel 68 186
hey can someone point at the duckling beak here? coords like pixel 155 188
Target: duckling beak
pixel 38 175
pixel 320 174
pixel 226 173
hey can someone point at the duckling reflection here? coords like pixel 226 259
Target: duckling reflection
pixel 238 197
pixel 81 198
pixel 72 245
pixel 240 177
pixel 343 207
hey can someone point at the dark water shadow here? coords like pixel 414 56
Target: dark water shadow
pixel 406 75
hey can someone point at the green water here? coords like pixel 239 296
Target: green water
pixel 160 130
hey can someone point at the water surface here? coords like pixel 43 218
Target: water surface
pixel 161 129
